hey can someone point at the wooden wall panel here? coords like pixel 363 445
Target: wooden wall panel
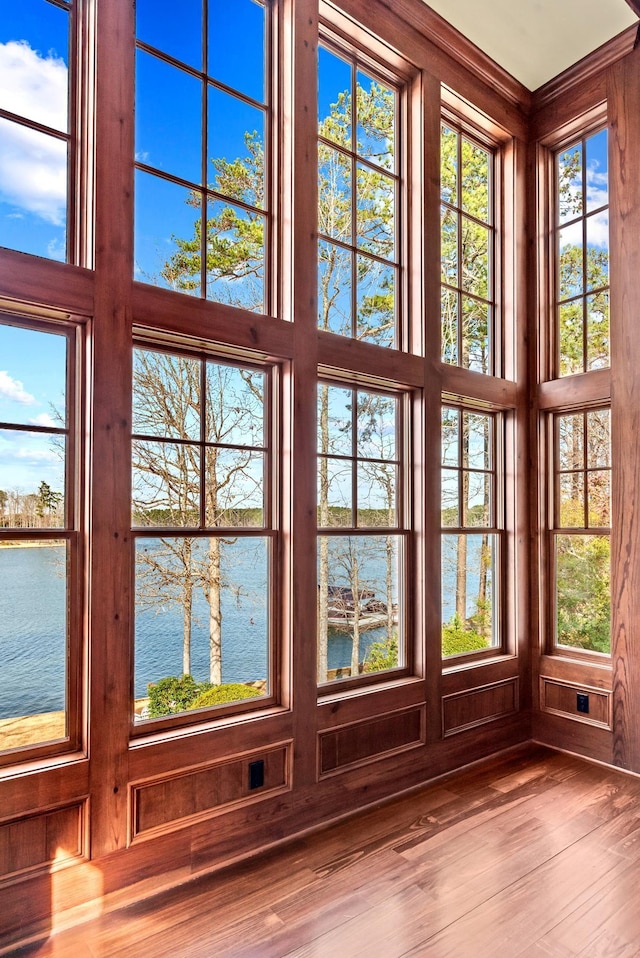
pixel 39 840
pixel 560 698
pixel 466 710
pixel 207 790
pixel 363 741
pixel 624 176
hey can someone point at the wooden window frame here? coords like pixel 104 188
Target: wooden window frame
pixel 73 532
pixel 209 352
pixel 403 531
pixel 498 529
pixel 207 193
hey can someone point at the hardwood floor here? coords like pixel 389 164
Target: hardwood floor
pixel 530 855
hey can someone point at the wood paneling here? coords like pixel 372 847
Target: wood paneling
pixel 40 840
pixel 465 710
pixel 624 157
pixel 206 790
pixel 560 698
pixel 364 741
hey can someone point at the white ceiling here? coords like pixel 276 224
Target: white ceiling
pixel 535 40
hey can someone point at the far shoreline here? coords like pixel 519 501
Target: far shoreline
pixel 41 544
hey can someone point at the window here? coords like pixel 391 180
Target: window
pixel 39 630
pixel 36 156
pixel 362 532
pixel 580 529
pixel 582 251
pixel 472 541
pixel 202 122
pixel 204 535
pixel 358 201
pixel 468 251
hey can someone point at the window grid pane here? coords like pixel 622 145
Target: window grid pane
pixel 468 252
pixel 581 241
pixel 471 539
pixel 202 463
pixel 358 202
pixel 37 201
pixel 38 542
pixel 580 539
pixel 361 541
pixel 212 239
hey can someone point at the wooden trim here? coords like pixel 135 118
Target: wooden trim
pixel 582 390
pixel 624 153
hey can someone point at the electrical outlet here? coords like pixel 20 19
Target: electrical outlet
pixel 582 704
pixel 256 774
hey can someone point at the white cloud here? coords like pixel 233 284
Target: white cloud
pixel 37 455
pixel 44 419
pixel 13 389
pixel 33 166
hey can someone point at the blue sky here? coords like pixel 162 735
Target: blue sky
pixel 32 393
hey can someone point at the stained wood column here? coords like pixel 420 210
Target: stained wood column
pixel 624 152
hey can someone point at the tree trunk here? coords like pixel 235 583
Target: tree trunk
pixel 215 612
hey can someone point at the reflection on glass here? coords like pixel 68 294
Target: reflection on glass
pixel 475 258
pixel 599 502
pixel 235 256
pixel 475 181
pixel 358 619
pixel 168 228
pixel 334 182
pixel 449 313
pixel 236 148
pixel 476 331
pixel 571 276
pixel 598 331
pixel 180 36
pixel 376 306
pixel 571 502
pixel 449 247
pixel 33 191
pixel 334 98
pixel 375 109
pixel 166 484
pixel 33 639
pixel 375 212
pixel 202 623
pixel 570 198
pixel 237 40
pixel 599 438
pixel 598 250
pixel 334 288
pixel 597 169
pixel 168 128
pixel 570 328
pixel 166 395
pixel 583 603
pixel 449 166
pixel 468 592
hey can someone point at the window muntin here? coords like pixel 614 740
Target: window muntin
pixel 36 201
pixel 201 192
pixel 472 541
pixel 38 538
pixel 582 255
pixel 581 529
pixel 358 201
pixel 361 531
pixel 203 527
pixel 468 239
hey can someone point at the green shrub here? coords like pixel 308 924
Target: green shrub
pixel 456 639
pixel 172 694
pixel 221 694
pixel 382 655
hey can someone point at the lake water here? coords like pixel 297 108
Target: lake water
pixel 33 630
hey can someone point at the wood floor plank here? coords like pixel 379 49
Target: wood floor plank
pixel 533 855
